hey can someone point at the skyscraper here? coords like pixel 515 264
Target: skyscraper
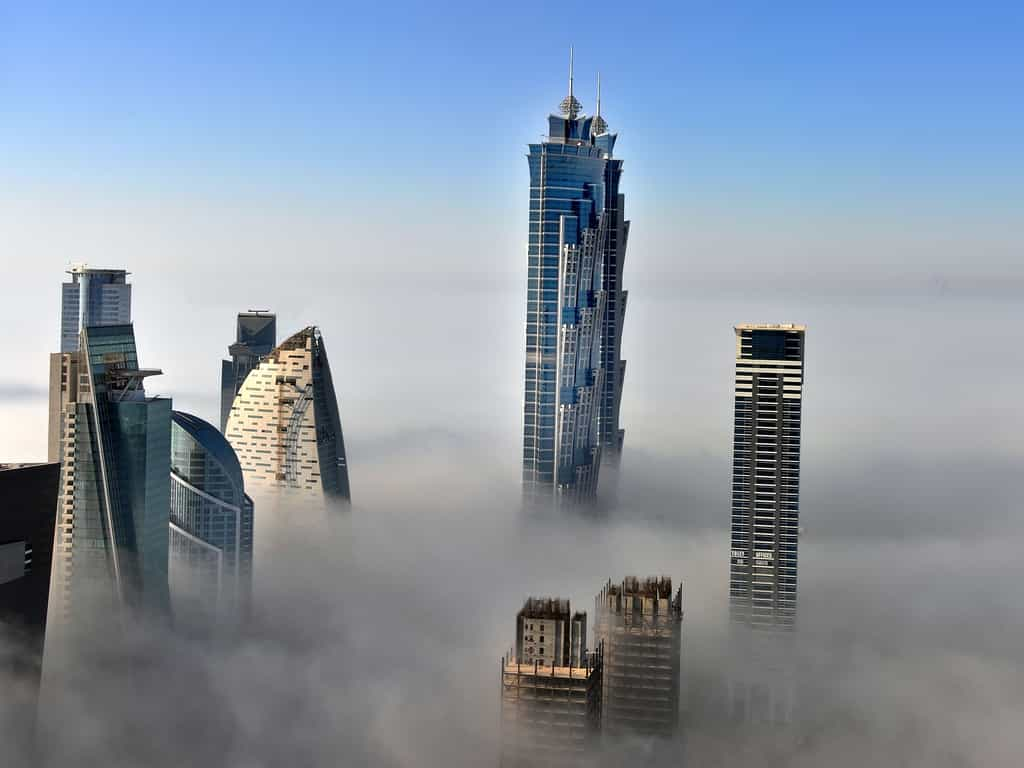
pixel 255 337
pixel 639 623
pixel 93 297
pixel 765 521
pixel 766 474
pixel 111 538
pixel 551 689
pixel 574 308
pixel 211 526
pixel 28 509
pixel 284 423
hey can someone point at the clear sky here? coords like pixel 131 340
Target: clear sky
pixel 839 103
pixel 361 166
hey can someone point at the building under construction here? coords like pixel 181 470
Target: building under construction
pixel 639 624
pixel 551 689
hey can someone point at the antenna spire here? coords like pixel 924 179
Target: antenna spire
pixel 599 125
pixel 570 107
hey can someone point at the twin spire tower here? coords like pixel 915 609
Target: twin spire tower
pixel 575 307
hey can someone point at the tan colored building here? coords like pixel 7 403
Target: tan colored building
pixel 284 423
pixel 550 699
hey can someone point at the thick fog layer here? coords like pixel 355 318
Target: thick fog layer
pixel 376 636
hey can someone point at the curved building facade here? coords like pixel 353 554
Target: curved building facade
pixel 211 524
pixel 284 423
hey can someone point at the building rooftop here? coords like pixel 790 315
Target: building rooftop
pixel 770 327
pixel 545 608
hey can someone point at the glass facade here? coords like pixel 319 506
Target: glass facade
pixel 211 525
pixel 93 297
pixel 255 337
pixel 574 308
pixel 111 539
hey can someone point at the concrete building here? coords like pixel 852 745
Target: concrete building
pixel 284 423
pixel 766 475
pixel 255 337
pixel 639 624
pixel 765 521
pixel 575 307
pixel 28 509
pixel 550 694
pixel 211 527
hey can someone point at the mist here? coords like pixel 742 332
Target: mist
pixel 376 634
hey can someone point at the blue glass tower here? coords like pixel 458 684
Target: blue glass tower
pixel 211 525
pixel 574 307
pixel 111 539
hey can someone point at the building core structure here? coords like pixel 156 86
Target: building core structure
pixel 211 527
pixel 255 337
pixel 284 423
pixel 551 689
pixel 639 624
pixel 765 518
pixel 574 309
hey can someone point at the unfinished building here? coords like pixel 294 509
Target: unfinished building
pixel 551 689
pixel 639 624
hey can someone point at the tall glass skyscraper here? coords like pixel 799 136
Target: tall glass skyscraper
pixel 93 297
pixel 284 424
pixel 111 538
pixel 574 307
pixel 211 525
pixel 255 337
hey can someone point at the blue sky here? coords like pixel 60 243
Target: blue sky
pixel 851 102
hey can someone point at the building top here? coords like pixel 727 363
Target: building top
pixel 211 440
pixel 85 269
pixel 545 608
pixel 769 327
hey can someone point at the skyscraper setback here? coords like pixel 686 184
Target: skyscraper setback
pixel 255 337
pixel 575 307
pixel 92 297
pixel 111 539
pixel 766 475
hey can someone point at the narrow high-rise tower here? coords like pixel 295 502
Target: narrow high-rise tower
pixel 255 337
pixel 93 297
pixel 574 307
pixel 766 474
pixel 765 522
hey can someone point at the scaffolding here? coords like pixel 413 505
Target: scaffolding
pixel 639 624
pixel 550 715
